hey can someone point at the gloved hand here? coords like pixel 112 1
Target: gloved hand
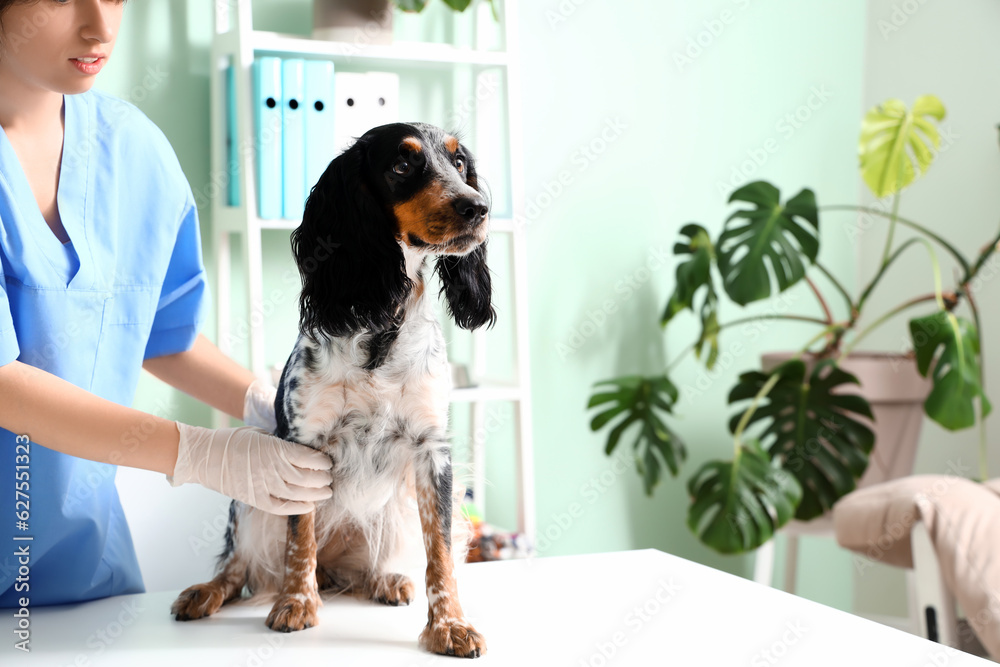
pixel 258 406
pixel 253 467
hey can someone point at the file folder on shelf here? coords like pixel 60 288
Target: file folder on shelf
pixel 232 152
pixel 320 147
pixel 267 119
pixel 349 118
pixel 363 101
pixel 293 138
pixel 383 98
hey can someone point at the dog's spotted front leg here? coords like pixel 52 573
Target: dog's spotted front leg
pixel 296 606
pixel 447 631
pixel 203 600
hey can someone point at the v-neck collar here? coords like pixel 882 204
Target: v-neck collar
pixel 71 262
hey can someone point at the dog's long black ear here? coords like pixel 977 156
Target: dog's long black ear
pixel 467 286
pixel 352 268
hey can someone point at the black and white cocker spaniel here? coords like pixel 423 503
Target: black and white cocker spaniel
pixel 368 384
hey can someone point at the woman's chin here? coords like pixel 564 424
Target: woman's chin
pixel 75 85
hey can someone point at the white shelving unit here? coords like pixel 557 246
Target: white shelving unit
pixel 236 43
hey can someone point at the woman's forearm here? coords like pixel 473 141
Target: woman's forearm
pixel 59 415
pixel 206 374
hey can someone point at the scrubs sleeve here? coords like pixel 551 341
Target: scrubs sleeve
pixel 180 310
pixel 9 349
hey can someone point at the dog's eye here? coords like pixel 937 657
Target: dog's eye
pixel 460 164
pixel 402 167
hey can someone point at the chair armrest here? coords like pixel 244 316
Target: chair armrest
pixel 935 604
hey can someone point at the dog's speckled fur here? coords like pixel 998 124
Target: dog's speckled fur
pixel 367 383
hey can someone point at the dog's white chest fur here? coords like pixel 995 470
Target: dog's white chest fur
pixel 371 423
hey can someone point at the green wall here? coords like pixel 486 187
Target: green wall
pixel 638 117
pixel 958 198
pixel 688 124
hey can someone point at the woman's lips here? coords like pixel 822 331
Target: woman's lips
pixel 92 67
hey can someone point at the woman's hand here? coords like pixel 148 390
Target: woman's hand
pixel 253 467
pixel 258 406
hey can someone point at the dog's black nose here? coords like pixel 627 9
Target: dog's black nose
pixel 472 209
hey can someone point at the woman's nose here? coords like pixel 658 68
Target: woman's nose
pixel 95 20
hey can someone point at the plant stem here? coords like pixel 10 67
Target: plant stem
pixel 771 316
pixel 912 225
pixel 892 228
pixel 748 413
pixel 680 358
pixel 984 255
pixel 822 301
pixel 744 320
pixel 774 316
pixel 983 461
pixel 984 469
pixel 881 272
pixel 882 320
pixel 937 296
pixel 838 286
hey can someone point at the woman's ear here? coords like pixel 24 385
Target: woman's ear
pixel 352 268
pixel 467 286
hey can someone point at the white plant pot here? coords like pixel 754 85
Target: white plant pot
pixel 360 22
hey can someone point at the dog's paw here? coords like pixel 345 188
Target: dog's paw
pixel 196 602
pixel 391 589
pixel 325 581
pixel 453 636
pixel 294 612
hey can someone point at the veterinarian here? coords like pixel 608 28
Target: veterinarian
pixel 101 275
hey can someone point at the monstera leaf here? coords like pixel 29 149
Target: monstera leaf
pixel 411 5
pixel 639 400
pixel 811 429
pixel 692 275
pixel 893 146
pixel 457 5
pixel 709 336
pixel 956 372
pixel 769 238
pixel 737 505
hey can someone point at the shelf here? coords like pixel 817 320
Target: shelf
pixel 282 223
pixel 236 44
pixel 400 54
pixel 502 225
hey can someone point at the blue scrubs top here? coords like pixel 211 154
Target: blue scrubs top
pixel 129 285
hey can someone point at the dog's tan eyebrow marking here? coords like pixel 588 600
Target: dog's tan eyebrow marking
pixel 451 143
pixel 413 144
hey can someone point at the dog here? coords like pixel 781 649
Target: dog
pixel 368 384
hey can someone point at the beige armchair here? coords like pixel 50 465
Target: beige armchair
pixel 947 530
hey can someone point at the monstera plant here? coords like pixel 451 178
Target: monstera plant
pixel 810 440
pixel 457 5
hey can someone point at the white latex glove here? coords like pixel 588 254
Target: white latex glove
pixel 258 406
pixel 253 467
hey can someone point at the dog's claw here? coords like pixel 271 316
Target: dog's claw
pixel 196 602
pixel 392 589
pixel 456 637
pixel 292 614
